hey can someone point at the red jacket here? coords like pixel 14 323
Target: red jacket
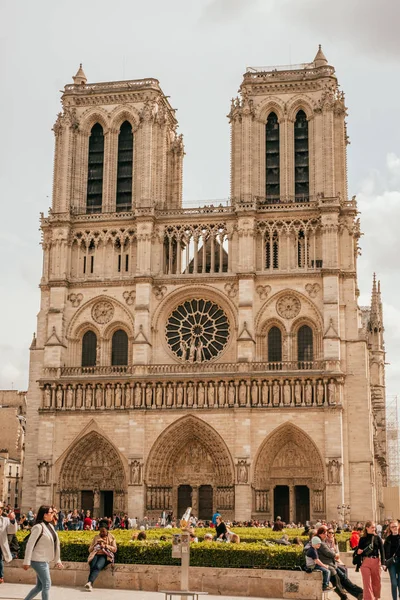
pixel 354 539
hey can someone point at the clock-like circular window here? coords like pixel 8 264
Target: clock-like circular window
pixel 197 330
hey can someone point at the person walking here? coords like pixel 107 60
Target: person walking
pixel 372 554
pixel 42 548
pixel 101 553
pixel 8 526
pixel 392 555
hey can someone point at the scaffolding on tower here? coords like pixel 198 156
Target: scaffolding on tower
pixel 393 440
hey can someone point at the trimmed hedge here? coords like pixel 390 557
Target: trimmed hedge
pixel 254 553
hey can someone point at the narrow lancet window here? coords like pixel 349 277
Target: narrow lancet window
pixel 94 197
pixel 125 168
pixel 89 346
pixel 305 347
pixel 119 352
pixel 272 188
pixel 301 158
pixel 274 345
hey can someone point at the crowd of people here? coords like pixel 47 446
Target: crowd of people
pixel 375 547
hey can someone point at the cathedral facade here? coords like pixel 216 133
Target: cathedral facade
pixel 213 356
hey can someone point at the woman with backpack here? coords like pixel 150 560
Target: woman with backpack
pixel 370 549
pixel 43 547
pixel 392 556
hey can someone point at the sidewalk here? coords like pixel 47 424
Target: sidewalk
pixel 15 591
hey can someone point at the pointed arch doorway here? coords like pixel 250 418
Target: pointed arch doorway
pixel 289 477
pixel 92 476
pixel 190 465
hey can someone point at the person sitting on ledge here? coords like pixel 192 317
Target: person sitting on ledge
pixel 101 553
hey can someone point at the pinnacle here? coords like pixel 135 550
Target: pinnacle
pixel 80 77
pixel 320 58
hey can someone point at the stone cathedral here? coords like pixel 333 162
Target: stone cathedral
pixel 213 356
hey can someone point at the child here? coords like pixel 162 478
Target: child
pixel 313 562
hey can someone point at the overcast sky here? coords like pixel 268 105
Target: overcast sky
pixel 198 50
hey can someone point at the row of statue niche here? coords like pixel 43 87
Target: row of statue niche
pixel 191 351
pixel 225 498
pixel 181 394
pixel 159 497
pixel 44 472
pixel 262 500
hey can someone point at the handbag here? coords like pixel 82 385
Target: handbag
pixel 391 561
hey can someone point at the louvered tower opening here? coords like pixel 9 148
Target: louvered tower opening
pixel 125 168
pixel 272 175
pixel 94 197
pixel 301 158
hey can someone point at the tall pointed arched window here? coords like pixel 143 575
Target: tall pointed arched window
pixel 274 345
pixel 272 187
pixel 89 345
pixel 125 168
pixel 305 346
pixel 301 157
pixel 94 197
pixel 119 351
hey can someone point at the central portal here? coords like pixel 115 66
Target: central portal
pixel 106 503
pixel 205 502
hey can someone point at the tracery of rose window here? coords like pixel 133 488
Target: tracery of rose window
pixel 197 330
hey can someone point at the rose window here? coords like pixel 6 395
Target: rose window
pixel 197 330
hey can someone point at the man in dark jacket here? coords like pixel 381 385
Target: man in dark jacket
pixel 338 573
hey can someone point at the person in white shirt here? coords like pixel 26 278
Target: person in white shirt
pixel 8 526
pixel 42 548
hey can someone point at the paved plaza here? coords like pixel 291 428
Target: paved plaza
pixel 15 591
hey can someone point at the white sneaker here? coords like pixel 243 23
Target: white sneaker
pixel 88 586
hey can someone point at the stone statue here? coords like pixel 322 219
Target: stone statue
pixel 275 394
pixel 128 396
pixel 211 394
pixel 170 395
pixel 334 471
pixel 159 396
pixel 179 395
pixel 221 394
pixel 118 396
pixel 88 396
pixel 47 397
pixel 79 397
pixel 308 393
pixel 320 393
pixel 199 351
pixel 149 396
pixel 59 396
pixel 264 393
pixel 98 395
pixel 231 394
pixel 70 397
pixel 286 393
pixel 242 394
pixel 43 473
pixel 109 394
pixel 138 395
pixel 254 394
pixel 242 472
pixel 200 395
pixel 297 393
pixel 184 349
pixel 135 472
pixel 317 500
pixel 332 392
pixel 192 350
pixel 190 394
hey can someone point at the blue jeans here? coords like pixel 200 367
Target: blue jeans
pixel 394 572
pixel 326 575
pixel 1 568
pixel 43 583
pixel 98 563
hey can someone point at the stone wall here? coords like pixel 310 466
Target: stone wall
pixel 152 578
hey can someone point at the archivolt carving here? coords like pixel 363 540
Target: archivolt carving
pixel 93 463
pixel 271 104
pixel 288 453
pixel 92 116
pixel 199 450
pixel 308 310
pixel 300 102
